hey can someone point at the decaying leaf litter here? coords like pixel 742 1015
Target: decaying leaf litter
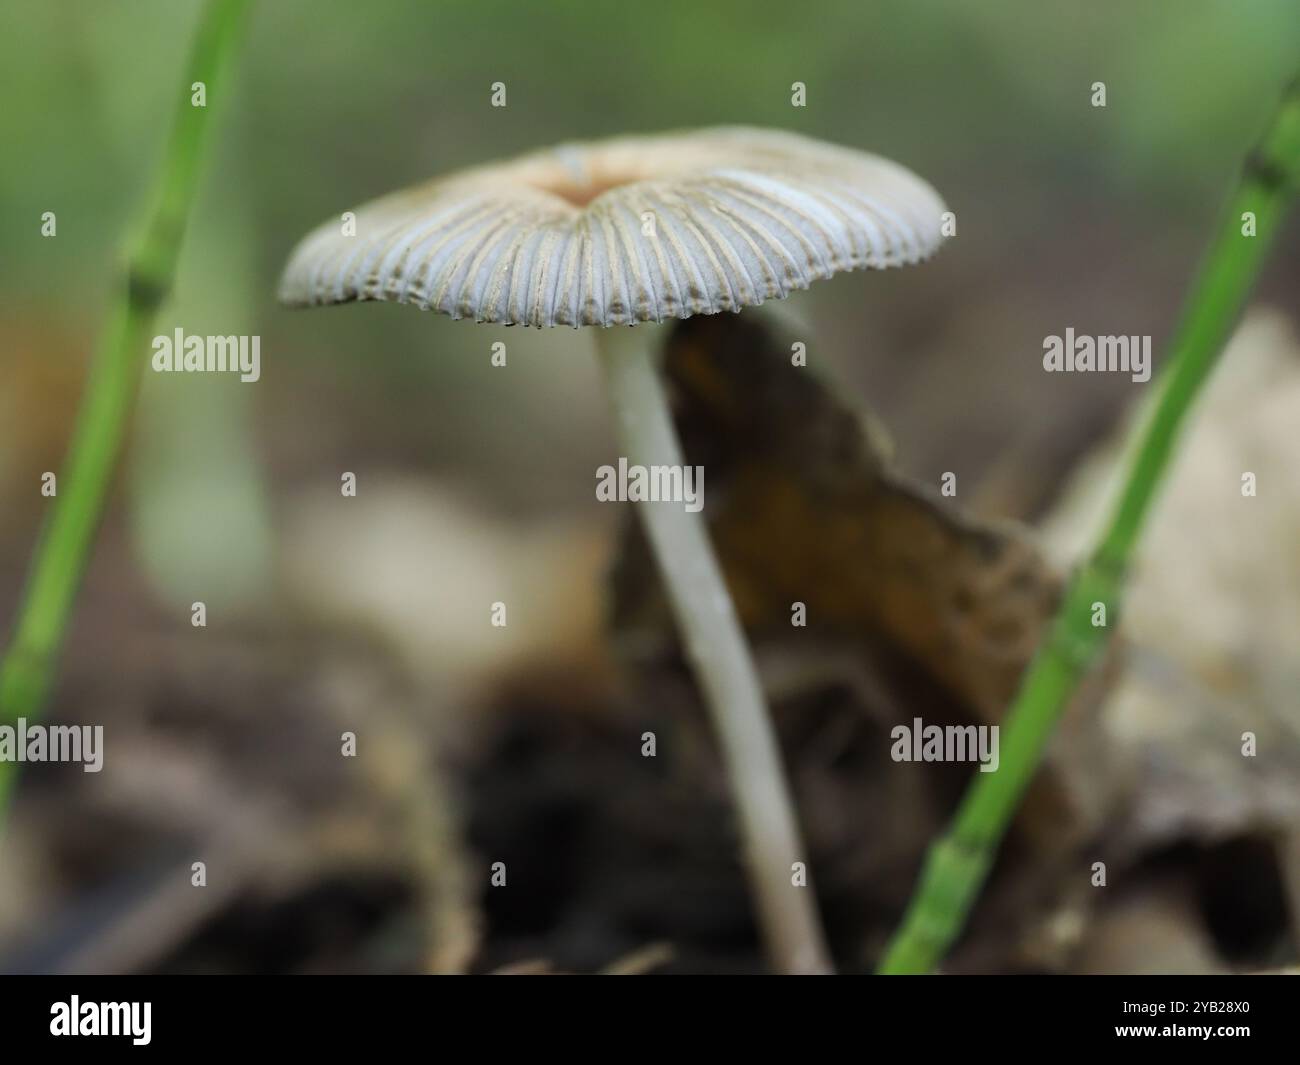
pixel 625 855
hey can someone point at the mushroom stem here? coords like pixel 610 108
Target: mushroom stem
pixel 719 657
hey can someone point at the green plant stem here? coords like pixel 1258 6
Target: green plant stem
pixel 958 862
pixel 715 646
pixel 28 670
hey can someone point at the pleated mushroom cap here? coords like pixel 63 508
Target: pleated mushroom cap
pixel 636 229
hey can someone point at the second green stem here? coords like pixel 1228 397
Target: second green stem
pixel 958 863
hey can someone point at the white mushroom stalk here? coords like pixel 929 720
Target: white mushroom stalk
pixel 719 656
pixel 638 230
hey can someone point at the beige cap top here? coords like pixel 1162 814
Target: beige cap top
pixel 636 229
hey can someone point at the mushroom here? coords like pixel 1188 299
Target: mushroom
pixel 630 231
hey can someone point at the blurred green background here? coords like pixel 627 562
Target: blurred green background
pixel 1069 215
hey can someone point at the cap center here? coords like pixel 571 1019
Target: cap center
pixel 577 174
pixel 580 192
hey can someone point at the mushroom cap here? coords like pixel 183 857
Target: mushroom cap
pixel 635 229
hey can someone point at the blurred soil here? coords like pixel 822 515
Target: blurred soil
pixel 523 745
